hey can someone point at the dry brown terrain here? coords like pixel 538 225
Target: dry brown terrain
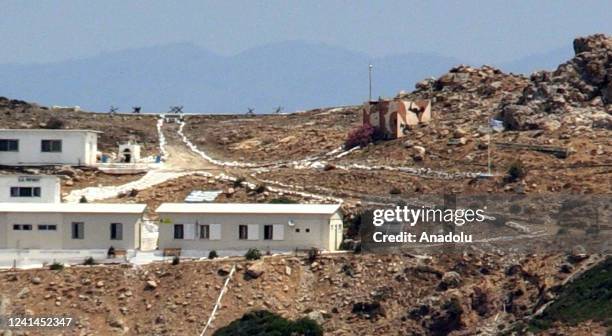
pixel 348 294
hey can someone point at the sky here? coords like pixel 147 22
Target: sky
pixel 481 32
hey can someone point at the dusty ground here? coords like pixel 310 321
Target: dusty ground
pixel 350 294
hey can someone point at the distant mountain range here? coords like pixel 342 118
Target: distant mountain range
pixel 295 75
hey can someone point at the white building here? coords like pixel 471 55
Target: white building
pixel 66 226
pixel 129 152
pixel 30 188
pixel 231 227
pixel 30 147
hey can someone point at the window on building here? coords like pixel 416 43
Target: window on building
pixel 268 232
pixel 9 145
pixel 179 231
pixel 204 231
pixel 47 227
pixel 22 227
pixel 51 146
pixel 25 191
pixel 307 230
pixel 297 230
pixel 116 231
pixel 78 230
pixel 243 232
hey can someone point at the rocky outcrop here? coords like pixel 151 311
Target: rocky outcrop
pixel 579 91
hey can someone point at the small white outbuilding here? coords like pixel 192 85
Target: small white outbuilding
pixel 129 152
pixel 237 227
pixel 30 189
pixel 33 147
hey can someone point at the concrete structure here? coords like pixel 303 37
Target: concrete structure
pixel 238 227
pixel 393 118
pixel 129 152
pixel 66 226
pixel 30 189
pixel 30 147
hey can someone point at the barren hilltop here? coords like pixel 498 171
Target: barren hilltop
pixel 557 130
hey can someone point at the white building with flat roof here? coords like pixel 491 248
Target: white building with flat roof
pixel 70 226
pixel 32 147
pixel 226 227
pixel 30 189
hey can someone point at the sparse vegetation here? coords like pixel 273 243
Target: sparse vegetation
pixel 89 261
pixel 238 182
pixel 212 254
pixel 313 254
pixel 264 323
pixel 282 200
pixel 176 260
pixel 588 297
pixel 83 199
pixel 360 136
pixel 253 254
pixel 516 171
pixel 55 123
pixel 56 266
pixel 395 191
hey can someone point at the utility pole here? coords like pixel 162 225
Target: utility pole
pixel 489 151
pixel 370 66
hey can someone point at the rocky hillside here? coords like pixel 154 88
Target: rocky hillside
pixel 116 128
pixel 346 294
pixel 578 93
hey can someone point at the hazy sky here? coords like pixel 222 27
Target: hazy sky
pixel 476 31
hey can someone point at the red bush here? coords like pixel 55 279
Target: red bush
pixel 360 136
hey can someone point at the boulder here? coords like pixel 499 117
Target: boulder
pixel 151 285
pixel 450 279
pixel 256 269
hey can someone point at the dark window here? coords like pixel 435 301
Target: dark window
pixel 22 227
pixel 179 231
pixel 297 230
pixel 205 231
pixel 78 230
pixel 9 145
pixel 268 232
pixel 51 146
pixel 116 231
pixel 243 232
pixel 25 191
pixel 307 230
pixel 47 227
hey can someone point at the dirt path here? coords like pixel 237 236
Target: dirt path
pixel 180 157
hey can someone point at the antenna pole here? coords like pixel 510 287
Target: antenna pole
pixel 370 66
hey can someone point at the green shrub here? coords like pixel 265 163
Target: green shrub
pixel 313 254
pixel 212 254
pixel 395 191
pixel 176 260
pixel 265 323
pixel 89 261
pixel 253 254
pixel 586 298
pixel 516 171
pixel 238 181
pixel 55 123
pixel 360 136
pixel 282 200
pixel 56 266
